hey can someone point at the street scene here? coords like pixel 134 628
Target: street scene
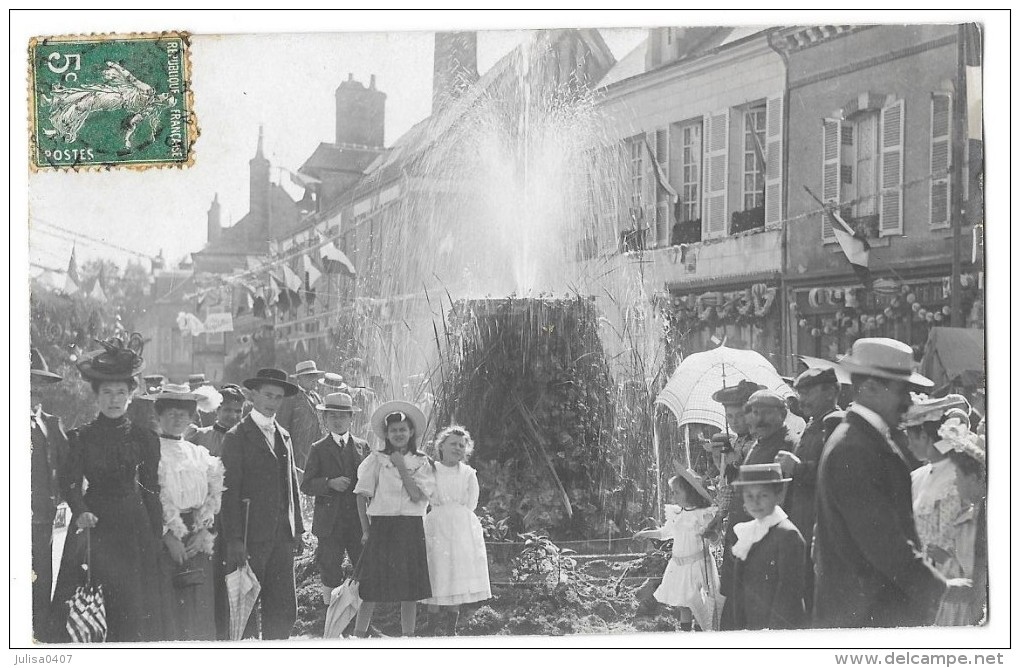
pixel 478 333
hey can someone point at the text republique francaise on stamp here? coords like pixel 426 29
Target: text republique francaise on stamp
pixel 111 101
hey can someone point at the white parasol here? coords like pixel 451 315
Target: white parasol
pixel 688 394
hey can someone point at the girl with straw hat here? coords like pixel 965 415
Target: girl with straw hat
pixel 393 488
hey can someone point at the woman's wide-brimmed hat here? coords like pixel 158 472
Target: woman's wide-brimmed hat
pixel 884 358
pixel 176 392
pixel 338 401
pixel 272 377
pixel 40 371
pixel 933 410
pixel 760 474
pixel 410 411
pixel 116 361
pixel 694 480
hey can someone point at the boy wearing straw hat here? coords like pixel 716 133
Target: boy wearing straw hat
pixel 330 476
pixel 869 570
pixel 768 568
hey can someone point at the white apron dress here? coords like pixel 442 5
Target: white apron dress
pixel 458 567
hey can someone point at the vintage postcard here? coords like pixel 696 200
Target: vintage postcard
pixel 458 337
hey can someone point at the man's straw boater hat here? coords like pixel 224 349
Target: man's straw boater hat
pixel 338 401
pixel 884 358
pixel 333 381
pixel 760 474
pixel 406 408
pixel 307 368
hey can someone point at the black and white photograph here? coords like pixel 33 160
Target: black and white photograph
pixel 650 329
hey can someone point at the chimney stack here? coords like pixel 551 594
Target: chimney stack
pixel 213 227
pixel 455 67
pixel 360 113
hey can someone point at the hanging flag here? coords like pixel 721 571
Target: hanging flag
pixel 313 274
pixel 258 304
pixel 72 282
pixel 290 279
pixel 674 196
pixel 245 302
pixel 97 292
pixel 334 261
pixel 272 291
pixel 853 243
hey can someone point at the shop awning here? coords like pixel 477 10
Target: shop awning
pixel 954 355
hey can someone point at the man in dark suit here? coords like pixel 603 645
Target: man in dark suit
pixel 817 390
pixel 297 413
pixel 330 476
pixel 869 567
pixel 259 462
pixel 49 447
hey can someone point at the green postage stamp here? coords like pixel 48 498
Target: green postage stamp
pixel 107 101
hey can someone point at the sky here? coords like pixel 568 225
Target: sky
pixel 284 82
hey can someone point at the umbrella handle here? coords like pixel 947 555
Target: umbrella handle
pixel 88 557
pixel 247 507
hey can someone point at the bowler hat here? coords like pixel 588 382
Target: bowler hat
pixel 338 401
pixel 40 371
pixel 736 395
pixel 760 474
pixel 409 411
pixel 884 358
pixel 814 377
pixel 307 368
pixel 272 377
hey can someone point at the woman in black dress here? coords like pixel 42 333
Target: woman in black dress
pixel 111 482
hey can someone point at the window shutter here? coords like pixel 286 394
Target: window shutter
pixel 890 213
pixel 774 159
pixel 940 159
pixel 832 132
pixel 717 142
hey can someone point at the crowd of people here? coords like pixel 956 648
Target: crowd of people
pixel 873 516
pixel 166 502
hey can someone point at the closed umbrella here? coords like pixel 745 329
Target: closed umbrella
pixel 343 606
pixel 242 589
pixel 86 615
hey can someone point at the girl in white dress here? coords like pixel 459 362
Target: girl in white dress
pixel 691 581
pixel 458 567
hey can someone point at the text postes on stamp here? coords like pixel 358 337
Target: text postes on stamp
pixel 111 100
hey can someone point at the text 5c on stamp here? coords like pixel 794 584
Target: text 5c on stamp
pixel 111 101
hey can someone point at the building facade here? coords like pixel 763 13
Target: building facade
pixel 871 130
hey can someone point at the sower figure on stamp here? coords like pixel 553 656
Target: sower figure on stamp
pixel 49 447
pixel 298 414
pixel 330 476
pixel 259 462
pixel 817 390
pixel 869 567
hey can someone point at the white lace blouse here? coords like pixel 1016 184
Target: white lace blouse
pixel 190 479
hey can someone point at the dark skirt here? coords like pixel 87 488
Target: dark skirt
pixel 394 565
pixel 127 562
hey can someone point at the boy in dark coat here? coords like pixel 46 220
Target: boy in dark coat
pixel 330 476
pixel 768 564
